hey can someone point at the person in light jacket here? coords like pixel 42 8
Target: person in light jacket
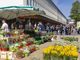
pixel 4 26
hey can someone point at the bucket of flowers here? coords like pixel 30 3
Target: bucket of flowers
pixel 29 41
pixel 68 52
pixel 32 48
pixel 71 39
pixel 20 54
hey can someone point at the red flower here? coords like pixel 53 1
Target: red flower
pixel 32 50
pixel 4 49
pixel 29 43
pixel 0 49
pixel 20 47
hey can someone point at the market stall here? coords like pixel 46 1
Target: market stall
pixel 18 43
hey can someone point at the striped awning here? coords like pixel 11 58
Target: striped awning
pixel 12 12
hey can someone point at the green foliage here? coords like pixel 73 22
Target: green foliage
pixel 70 39
pixel 75 11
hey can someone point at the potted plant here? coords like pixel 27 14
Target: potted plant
pixel 20 54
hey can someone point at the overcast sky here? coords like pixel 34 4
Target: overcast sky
pixel 10 3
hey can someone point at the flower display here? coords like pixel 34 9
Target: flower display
pixel 70 39
pixel 64 52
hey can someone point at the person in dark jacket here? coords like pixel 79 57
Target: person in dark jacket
pixel 61 29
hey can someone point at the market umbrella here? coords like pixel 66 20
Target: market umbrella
pixel 16 11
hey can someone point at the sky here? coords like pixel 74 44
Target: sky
pixel 64 6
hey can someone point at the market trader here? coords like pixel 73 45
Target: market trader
pixel 4 26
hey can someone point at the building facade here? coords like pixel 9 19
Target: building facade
pixel 50 9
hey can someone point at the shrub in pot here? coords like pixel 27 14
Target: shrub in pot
pixel 20 54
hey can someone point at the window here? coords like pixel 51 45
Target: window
pixel 28 2
pixel 35 3
pixel 32 2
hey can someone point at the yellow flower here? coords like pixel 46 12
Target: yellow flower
pixel 59 48
pixel 62 53
pixel 74 48
pixel 46 51
pixel 68 50
pixel 53 52
pixel 74 53
pixel 50 47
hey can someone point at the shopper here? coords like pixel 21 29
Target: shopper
pixel 13 26
pixel 78 30
pixel 64 30
pixel 61 29
pixel 57 30
pixel 48 28
pixel 74 31
pixel 4 26
pixel 40 27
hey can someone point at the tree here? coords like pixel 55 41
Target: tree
pixel 75 11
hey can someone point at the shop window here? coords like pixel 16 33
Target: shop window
pixel 28 2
